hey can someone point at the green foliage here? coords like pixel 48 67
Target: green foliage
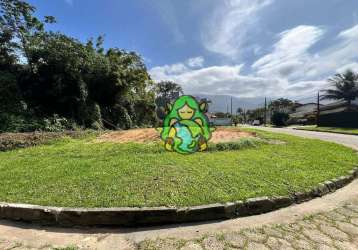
pixel 345 87
pixel 11 141
pixel 79 82
pixel 281 105
pixel 256 114
pixel 279 119
pixel 28 123
pixel 57 124
pixel 167 92
pixel 238 145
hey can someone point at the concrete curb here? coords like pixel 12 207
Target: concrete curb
pixel 332 132
pixel 131 217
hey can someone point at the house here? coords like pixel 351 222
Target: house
pixel 305 113
pixel 305 109
pixel 216 121
pixel 338 114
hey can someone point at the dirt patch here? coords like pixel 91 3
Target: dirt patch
pixel 151 135
pixel 133 135
pixel 229 135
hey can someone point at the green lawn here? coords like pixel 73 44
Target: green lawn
pixel 352 131
pixel 81 173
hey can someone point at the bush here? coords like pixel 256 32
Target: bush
pixel 56 124
pixel 239 145
pixel 11 141
pixel 18 123
pixel 27 123
pixel 279 119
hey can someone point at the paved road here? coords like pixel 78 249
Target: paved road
pixel 330 222
pixel 347 140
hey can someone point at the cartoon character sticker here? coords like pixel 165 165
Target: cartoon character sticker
pixel 186 128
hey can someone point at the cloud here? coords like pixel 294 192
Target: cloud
pixel 291 57
pixel 162 72
pixel 167 13
pixel 196 62
pixel 231 25
pixel 70 2
pixel 290 53
pixel 218 80
pixel 289 70
pixel 351 66
pixel 341 55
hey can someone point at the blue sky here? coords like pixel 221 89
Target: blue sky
pixel 245 48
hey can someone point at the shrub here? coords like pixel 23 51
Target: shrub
pixel 57 124
pixel 279 119
pixel 239 145
pixel 10 141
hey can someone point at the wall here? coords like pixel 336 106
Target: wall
pixel 342 119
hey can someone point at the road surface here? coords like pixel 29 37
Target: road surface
pixel 347 140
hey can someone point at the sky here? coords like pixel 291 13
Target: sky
pixel 243 48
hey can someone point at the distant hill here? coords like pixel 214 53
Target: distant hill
pixel 220 102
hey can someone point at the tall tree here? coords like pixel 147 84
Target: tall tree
pixel 166 92
pixel 168 89
pixel 57 83
pixel 345 87
pixel 57 74
pixel 282 105
pixel 18 20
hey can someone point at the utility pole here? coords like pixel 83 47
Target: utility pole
pixel 231 107
pixel 227 110
pixel 265 116
pixel 318 108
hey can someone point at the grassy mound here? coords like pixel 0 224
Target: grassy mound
pixel 84 173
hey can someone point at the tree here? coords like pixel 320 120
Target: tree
pixel 122 87
pixel 256 114
pixel 18 21
pixel 57 84
pixel 279 119
pixel 345 87
pixel 166 92
pixel 47 74
pixel 239 111
pixel 282 105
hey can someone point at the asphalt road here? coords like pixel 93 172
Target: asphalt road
pixel 347 140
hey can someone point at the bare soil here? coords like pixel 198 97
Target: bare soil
pixel 151 135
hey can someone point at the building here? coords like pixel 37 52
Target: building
pixel 338 114
pixel 305 113
pixel 216 121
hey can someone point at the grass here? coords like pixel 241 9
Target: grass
pixel 350 131
pixel 81 173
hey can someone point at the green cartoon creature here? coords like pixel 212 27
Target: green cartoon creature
pixel 186 128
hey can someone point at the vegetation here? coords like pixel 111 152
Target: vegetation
pixel 84 173
pixel 345 87
pixel 282 105
pixel 351 131
pixel 11 141
pixel 279 119
pixel 166 91
pixel 45 74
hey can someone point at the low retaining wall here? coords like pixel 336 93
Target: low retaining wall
pixel 131 217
